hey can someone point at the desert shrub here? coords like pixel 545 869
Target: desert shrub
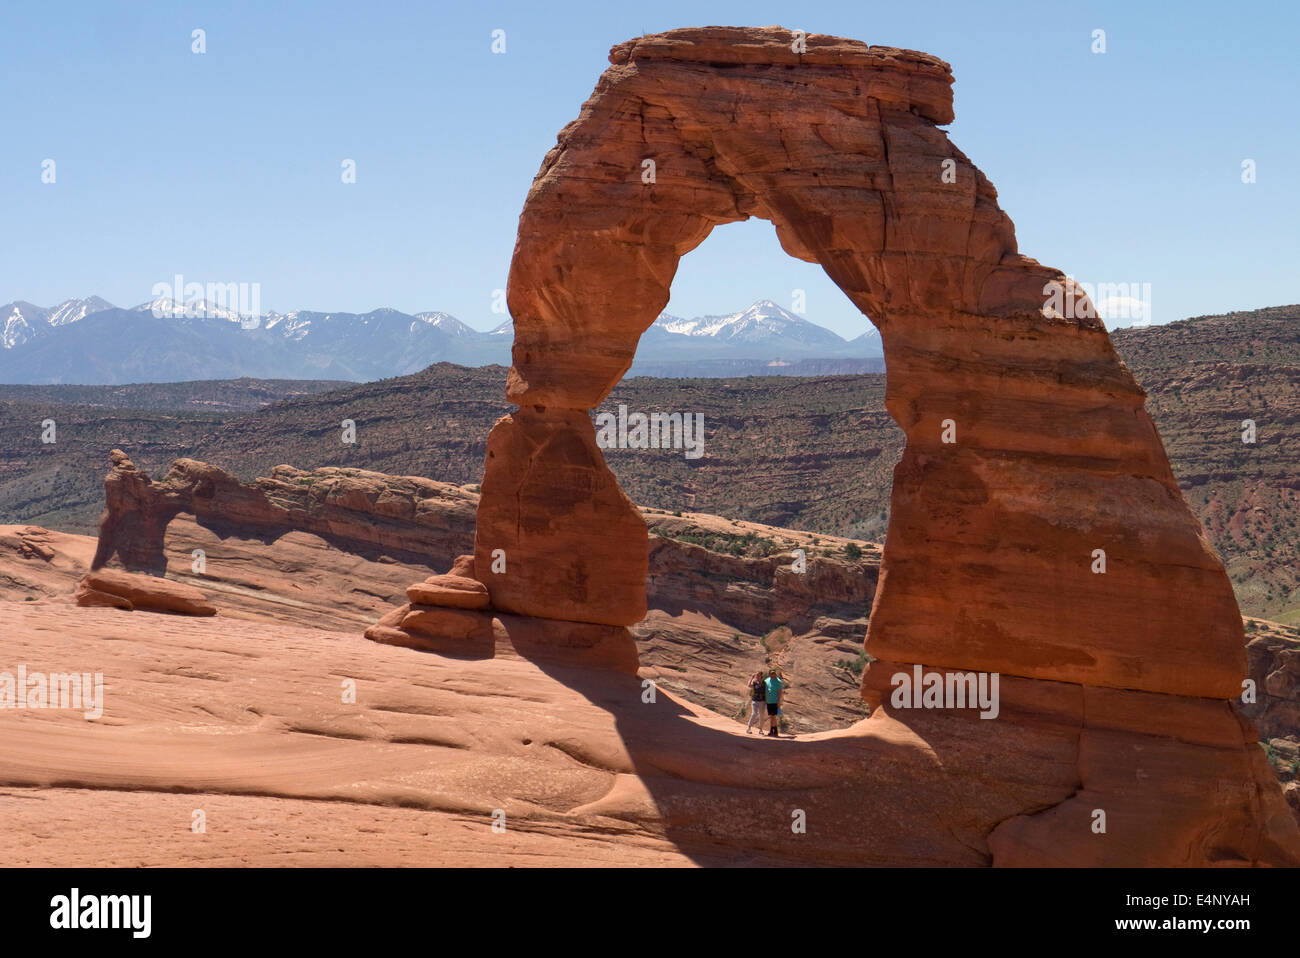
pixel 854 665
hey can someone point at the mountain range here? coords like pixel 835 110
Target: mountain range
pixel 808 453
pixel 91 341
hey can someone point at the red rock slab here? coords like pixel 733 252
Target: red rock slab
pixel 463 567
pixel 145 592
pixel 449 591
pixel 88 597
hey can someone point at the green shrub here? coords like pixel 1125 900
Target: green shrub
pixel 854 665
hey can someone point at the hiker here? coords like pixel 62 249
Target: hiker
pixel 757 697
pixel 774 692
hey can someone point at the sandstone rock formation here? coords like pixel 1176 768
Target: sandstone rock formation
pixel 1274 656
pixel 369 512
pixel 448 613
pixel 452 590
pixel 338 548
pixel 1036 531
pixel 1036 528
pixel 841 149
pixel 672 777
pixel 129 591
pixel 571 545
pixel 36 562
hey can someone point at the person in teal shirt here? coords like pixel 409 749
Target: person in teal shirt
pixel 775 689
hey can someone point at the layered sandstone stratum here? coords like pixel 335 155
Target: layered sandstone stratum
pixel 1115 739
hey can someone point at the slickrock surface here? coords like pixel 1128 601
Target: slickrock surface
pixel 288 829
pixel 37 562
pixel 250 720
pixel 480 635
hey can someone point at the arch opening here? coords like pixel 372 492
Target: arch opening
pixel 801 469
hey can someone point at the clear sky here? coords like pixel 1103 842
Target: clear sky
pixel 1124 166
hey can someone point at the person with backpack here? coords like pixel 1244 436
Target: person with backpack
pixel 757 698
pixel 774 693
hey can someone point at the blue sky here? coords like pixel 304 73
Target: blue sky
pixel 225 167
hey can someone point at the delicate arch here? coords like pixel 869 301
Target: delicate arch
pixel 988 562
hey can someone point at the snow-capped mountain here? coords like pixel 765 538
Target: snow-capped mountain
pixel 91 341
pixel 69 311
pixel 165 307
pixel 23 322
pixel 762 331
pixel 448 324
pixel 762 323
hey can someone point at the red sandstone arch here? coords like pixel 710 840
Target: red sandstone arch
pixel 988 558
pixel 1115 687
